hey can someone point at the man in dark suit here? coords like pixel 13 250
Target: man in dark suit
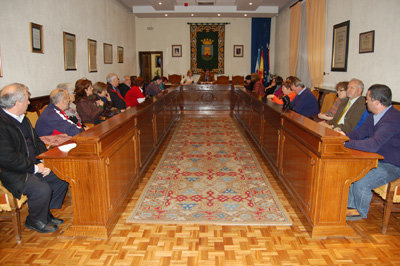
pixel 350 109
pixel 379 133
pixel 305 102
pixel 125 86
pixel 117 99
pixel 21 172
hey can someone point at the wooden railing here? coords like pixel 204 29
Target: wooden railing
pixel 309 159
pixel 108 161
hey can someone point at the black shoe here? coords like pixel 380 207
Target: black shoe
pixel 54 220
pixel 40 226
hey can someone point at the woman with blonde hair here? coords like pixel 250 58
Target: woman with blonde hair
pixel 189 79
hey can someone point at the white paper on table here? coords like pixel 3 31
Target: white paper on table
pixel 67 147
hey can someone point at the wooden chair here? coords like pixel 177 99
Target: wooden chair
pixel 33 117
pixel 316 93
pixel 42 109
pixel 222 80
pixel 329 99
pixel 175 79
pixel 390 195
pixel 238 80
pixel 11 205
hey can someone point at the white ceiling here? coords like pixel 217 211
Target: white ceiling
pixel 205 8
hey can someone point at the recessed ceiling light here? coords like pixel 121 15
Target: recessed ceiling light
pixel 250 4
pixel 166 15
pixel 245 15
pixel 219 15
pixel 192 14
pixel 160 3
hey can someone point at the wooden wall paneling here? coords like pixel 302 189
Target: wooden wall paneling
pixel 297 168
pixel 271 138
pixel 146 135
pixel 206 97
pixel 257 118
pixel 159 118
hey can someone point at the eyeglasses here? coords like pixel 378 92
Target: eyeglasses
pixel 341 90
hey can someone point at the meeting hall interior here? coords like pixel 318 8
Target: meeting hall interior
pixel 199 166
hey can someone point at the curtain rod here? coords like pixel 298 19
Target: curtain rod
pixel 219 23
pixel 295 3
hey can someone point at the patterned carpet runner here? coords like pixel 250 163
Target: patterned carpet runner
pixel 209 175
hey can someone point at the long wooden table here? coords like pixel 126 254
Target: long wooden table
pixel 108 160
pixel 309 159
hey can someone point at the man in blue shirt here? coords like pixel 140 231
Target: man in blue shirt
pixel 379 133
pixel 305 102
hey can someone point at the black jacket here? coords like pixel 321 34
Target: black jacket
pixel 116 100
pixel 15 163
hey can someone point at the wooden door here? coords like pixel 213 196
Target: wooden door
pixel 150 65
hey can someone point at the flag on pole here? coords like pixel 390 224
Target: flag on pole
pixel 261 70
pixel 258 62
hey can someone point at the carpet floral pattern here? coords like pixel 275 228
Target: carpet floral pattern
pixel 209 175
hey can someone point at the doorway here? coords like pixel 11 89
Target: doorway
pixel 150 65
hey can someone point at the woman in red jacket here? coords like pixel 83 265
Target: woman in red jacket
pixel 135 95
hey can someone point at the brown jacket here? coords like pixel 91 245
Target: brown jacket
pixel 88 110
pixel 353 114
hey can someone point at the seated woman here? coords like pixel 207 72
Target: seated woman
pixel 341 89
pixel 189 79
pixel 100 90
pixel 88 107
pixel 258 87
pixel 154 87
pixel 276 83
pixel 287 91
pixel 135 96
pixel 53 120
pixel 247 83
pixel 278 92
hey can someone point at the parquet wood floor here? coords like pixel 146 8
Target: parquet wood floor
pixel 133 244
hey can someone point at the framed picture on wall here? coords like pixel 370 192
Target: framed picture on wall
pixel 92 54
pixel 340 46
pixel 120 54
pixel 366 42
pixel 176 50
pixel 107 51
pixel 36 38
pixel 69 51
pixel 238 51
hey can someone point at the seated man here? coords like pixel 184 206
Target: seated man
pixel 21 172
pixel 379 133
pixel 206 77
pixel 154 87
pixel 350 109
pixel 125 86
pixel 54 120
pixel 116 97
pixel 305 102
